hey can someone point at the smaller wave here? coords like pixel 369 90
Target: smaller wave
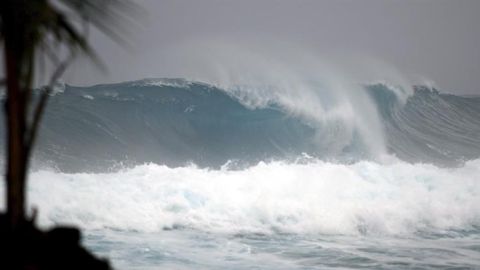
pixel 301 198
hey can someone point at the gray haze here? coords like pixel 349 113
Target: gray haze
pixel 424 40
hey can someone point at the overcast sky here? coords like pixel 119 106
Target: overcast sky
pixel 423 40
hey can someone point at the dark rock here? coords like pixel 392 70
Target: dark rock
pixel 27 247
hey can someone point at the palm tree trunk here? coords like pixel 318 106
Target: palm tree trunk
pixel 16 156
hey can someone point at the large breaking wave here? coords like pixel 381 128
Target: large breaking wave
pixel 177 122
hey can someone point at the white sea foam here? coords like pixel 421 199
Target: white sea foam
pixel 88 97
pixel 58 87
pixel 180 83
pixel 318 197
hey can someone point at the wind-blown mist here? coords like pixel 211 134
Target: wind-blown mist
pixel 246 105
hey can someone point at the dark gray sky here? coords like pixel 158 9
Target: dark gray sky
pixel 424 40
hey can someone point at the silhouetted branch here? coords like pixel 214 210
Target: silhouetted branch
pixel 40 108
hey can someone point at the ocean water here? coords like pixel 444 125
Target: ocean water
pixel 198 250
pixel 177 174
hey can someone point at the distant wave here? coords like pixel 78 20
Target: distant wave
pixel 177 122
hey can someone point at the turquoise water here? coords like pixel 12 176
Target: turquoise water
pixel 177 122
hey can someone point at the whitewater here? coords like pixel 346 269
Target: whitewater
pixel 182 174
pixel 363 198
pixel 308 215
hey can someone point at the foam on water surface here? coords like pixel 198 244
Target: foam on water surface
pixel 364 198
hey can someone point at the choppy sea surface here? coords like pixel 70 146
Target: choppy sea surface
pixel 187 249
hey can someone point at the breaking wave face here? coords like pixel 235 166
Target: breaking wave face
pixel 176 122
pixel 304 197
